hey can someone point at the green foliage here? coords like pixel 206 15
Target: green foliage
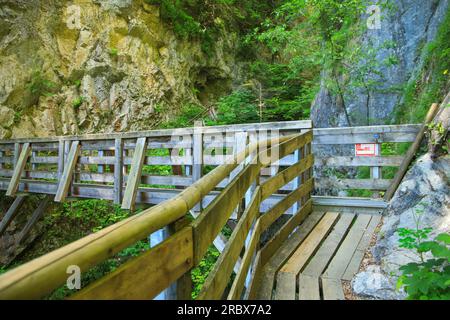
pixel 238 107
pixel 77 83
pixel 428 279
pixel 200 273
pixel 432 84
pixel 40 86
pixel 102 269
pixel 78 102
pixel 204 20
pixel 93 214
pixel 186 117
pixel 113 52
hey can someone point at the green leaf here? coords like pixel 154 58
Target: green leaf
pixel 444 237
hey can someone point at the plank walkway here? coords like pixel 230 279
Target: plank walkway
pixel 325 250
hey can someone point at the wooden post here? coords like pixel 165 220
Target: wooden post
pixel 16 153
pixel 66 178
pixel 118 170
pixel 188 169
pixel 182 288
pixel 61 158
pixel 33 155
pixel 240 143
pixel 197 167
pixel 252 138
pixel 375 172
pixel 134 178
pixel 11 213
pixel 297 180
pixel 100 167
pixel 410 154
pixel 37 214
pixel 18 170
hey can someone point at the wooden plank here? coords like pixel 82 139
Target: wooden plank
pixel 349 210
pixel 349 202
pixel 16 152
pixel 118 170
pixel 219 276
pixel 148 274
pixel 11 213
pixel 326 251
pixel 18 169
pixel 44 274
pixel 370 184
pixel 60 159
pixel 332 289
pixel 281 126
pixel 273 214
pixel 297 142
pixel 211 221
pixel 281 235
pixel 273 184
pixel 411 153
pixel 309 288
pixel 282 254
pixel 309 279
pixel 340 139
pixel 358 256
pixel 134 177
pixel 339 263
pixel 66 179
pixel 250 251
pixel 156 160
pixel 386 161
pixel 399 128
pixel 287 276
pixel 37 214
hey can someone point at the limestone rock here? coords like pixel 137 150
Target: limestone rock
pixel 405 30
pixel 6 117
pixel 117 56
pixel 422 198
pixel 372 283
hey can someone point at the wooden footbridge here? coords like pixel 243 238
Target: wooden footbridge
pixel 293 238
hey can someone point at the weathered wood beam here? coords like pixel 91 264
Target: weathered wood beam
pixel 18 169
pixel 37 214
pixel 411 153
pixel 162 264
pixel 118 171
pixel 66 178
pixel 11 213
pixel 134 178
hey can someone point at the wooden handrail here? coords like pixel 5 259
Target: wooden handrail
pixel 42 275
pixel 283 125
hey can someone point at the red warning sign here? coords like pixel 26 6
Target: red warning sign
pixel 365 150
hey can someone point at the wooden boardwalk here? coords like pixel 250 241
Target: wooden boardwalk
pixel 322 242
pixel 327 248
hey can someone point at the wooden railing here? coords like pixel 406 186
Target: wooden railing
pixel 154 270
pixel 121 166
pixel 335 149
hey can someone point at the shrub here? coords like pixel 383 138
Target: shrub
pixel 428 279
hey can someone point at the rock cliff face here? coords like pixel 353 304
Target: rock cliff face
pixel 398 56
pixel 423 198
pixel 70 67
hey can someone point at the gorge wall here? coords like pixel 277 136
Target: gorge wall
pixel 394 59
pixel 69 67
